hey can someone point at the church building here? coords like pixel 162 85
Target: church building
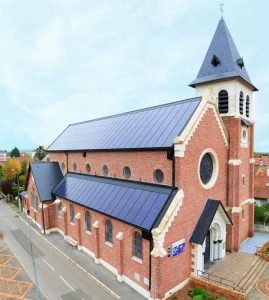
pixel 156 194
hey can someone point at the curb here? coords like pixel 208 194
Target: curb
pixel 97 281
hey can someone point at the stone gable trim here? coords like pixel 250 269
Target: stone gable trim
pixel 182 141
pixel 238 209
pixel 158 233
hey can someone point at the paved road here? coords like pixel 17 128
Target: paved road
pixel 58 277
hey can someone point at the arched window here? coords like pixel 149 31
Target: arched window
pixel 241 103
pixel 88 224
pixel 72 213
pixel 223 102
pixel 63 166
pixel 74 167
pixel 88 168
pixel 247 106
pixel 127 172
pixel 109 232
pixel 137 245
pixel 105 170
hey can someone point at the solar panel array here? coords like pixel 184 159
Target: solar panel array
pixel 46 176
pixel 154 127
pixel 138 204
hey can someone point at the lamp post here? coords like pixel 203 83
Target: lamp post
pixel 55 202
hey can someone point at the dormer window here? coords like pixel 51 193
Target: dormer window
pixel 247 106
pixel 240 62
pixel 223 102
pixel 241 103
pixel 215 60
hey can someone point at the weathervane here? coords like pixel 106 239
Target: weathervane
pixel 221 9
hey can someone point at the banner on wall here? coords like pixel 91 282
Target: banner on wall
pixel 178 247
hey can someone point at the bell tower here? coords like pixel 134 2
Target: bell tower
pixel 224 75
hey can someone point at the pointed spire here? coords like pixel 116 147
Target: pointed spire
pixel 222 59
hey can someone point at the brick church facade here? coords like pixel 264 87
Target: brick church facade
pixel 155 194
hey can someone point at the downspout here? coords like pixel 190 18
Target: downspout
pixel 173 167
pixel 150 260
pixel 43 217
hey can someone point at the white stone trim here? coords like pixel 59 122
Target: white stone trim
pixel 252 160
pixel 119 236
pixel 56 229
pixel 70 240
pixel 182 141
pixel 158 233
pixel 176 288
pixel 137 287
pixel 238 209
pixel 215 174
pixel 235 162
pixel 95 224
pixel 86 250
pixel 64 209
pixel 77 216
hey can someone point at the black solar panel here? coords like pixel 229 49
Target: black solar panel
pixel 154 127
pixel 138 204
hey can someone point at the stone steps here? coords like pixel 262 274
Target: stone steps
pixel 253 275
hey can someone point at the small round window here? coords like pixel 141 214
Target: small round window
pixel 105 170
pixel 74 167
pixel 126 172
pixel 206 168
pixel 88 168
pixel 158 176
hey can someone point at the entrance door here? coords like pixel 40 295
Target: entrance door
pixel 207 248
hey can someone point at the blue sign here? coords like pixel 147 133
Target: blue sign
pixel 178 247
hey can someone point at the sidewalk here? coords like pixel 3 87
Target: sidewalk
pixel 85 262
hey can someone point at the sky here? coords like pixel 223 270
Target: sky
pixel 66 61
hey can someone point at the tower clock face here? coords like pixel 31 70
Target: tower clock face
pixel 206 168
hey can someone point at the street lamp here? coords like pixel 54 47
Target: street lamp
pixel 55 202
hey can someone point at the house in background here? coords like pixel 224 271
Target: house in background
pixel 4 156
pixel 156 194
pixel 261 180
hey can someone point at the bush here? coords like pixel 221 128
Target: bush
pixel 5 186
pixel 260 213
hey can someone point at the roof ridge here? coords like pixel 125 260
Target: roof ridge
pixel 138 110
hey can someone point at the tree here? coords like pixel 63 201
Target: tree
pixel 11 169
pixel 23 167
pixel 1 172
pixel 22 180
pixel 40 153
pixel 5 186
pixel 15 152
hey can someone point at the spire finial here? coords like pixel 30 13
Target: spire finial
pixel 221 9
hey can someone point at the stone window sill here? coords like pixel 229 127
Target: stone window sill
pixel 72 223
pixel 109 244
pixel 88 232
pixel 139 260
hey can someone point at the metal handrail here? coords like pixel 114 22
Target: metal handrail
pixel 220 280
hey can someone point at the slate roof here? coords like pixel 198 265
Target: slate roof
pixel 206 219
pixel 138 204
pixel 153 127
pixel 222 46
pixel 46 175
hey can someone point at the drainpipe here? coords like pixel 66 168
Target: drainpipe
pixel 66 153
pixel 150 260
pixel 173 168
pixel 43 217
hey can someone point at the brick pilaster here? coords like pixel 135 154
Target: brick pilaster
pixel 97 241
pixel 120 268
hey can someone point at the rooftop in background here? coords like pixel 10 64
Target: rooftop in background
pixel 46 176
pixel 136 203
pixel 153 127
pixel 222 59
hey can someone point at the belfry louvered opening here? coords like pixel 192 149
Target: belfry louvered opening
pixel 241 103
pixel 223 102
pixel 247 106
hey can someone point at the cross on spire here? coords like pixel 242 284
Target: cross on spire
pixel 221 9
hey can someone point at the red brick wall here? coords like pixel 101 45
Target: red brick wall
pixel 107 253
pixel 177 269
pixel 142 163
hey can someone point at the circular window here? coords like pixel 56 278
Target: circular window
pixel 127 172
pixel 63 166
pixel 74 167
pixel 88 168
pixel 158 176
pixel 208 169
pixel 105 170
